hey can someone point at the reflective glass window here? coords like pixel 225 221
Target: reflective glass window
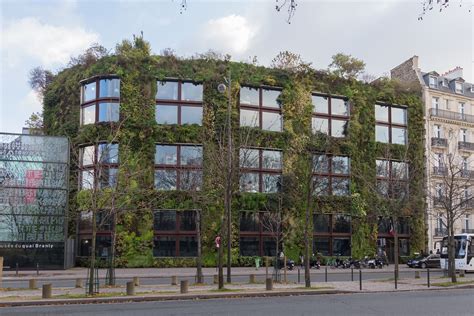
pixel 399 170
pixel 88 154
pixel 271 159
pixel 88 115
pixel 339 107
pixel 320 164
pixel 249 246
pixel 191 92
pixel 108 153
pixel 164 220
pixel 340 186
pixel 249 158
pixel 164 246
pixel 249 222
pixel 190 180
pixel 249 182
pixel 89 91
pixel 381 134
pixel 87 179
pixel 340 165
pixel 109 112
pixel 398 135
pixel 108 177
pixel 320 125
pixel 249 96
pixel 320 104
pixel 191 155
pixel 270 98
pixel 341 247
pixel 165 179
pixel 321 223
pixel 338 128
pixel 166 114
pixel 381 168
pixel 270 183
pixel 166 155
pixel 167 90
pixel 191 115
pixel 271 121
pixel 399 116
pixel 341 223
pixel 321 246
pixel 249 118
pixel 109 88
pixel 381 113
pixel 187 220
pixel 187 246
pixel 320 185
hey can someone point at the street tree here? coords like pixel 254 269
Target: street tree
pixel 451 194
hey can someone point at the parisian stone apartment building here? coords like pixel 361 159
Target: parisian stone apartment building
pixel 449 124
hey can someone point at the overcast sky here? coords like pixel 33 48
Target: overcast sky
pixel 383 33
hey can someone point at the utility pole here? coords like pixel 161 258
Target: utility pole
pixel 229 178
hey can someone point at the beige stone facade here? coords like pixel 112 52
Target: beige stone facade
pixel 449 135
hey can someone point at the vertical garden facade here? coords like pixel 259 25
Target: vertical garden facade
pixel 150 143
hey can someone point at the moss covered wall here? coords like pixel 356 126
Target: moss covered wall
pixel 139 70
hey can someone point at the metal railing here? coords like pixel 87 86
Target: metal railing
pixel 452 115
pixel 468 231
pixel 440 170
pixel 439 142
pixel 466 145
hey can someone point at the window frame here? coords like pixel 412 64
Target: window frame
pixel 391 125
pixel 261 234
pixel 97 165
pixel 179 103
pixel 259 169
pixel 260 108
pixel 390 179
pixel 329 116
pixel 331 234
pixel 179 167
pixel 329 174
pixel 98 100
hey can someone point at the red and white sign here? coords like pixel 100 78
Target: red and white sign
pixel 218 241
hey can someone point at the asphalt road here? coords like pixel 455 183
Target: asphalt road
pixel 445 302
pixel 340 275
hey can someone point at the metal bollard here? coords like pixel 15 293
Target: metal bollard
pixel 136 281
pixel 417 274
pixel 299 275
pixel 326 274
pixel 37 269
pixel 252 278
pixel 174 280
pixel 184 286
pixel 17 269
pixel 284 269
pixel 352 274
pixel 78 283
pixel 428 277
pixel 269 284
pixel 360 279
pixel 32 284
pixel 216 279
pixel 396 279
pixel 131 288
pixel 47 290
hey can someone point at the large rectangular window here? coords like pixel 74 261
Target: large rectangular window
pixel 175 233
pixel 259 107
pixel 392 178
pixel 258 233
pixel 100 101
pixel 331 175
pixel 101 161
pixel 178 167
pixel 179 103
pixel 332 234
pixel 330 115
pixel 391 124
pixel 260 170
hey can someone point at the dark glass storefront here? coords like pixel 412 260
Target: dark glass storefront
pixel 33 200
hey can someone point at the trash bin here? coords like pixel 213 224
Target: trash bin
pixel 257 263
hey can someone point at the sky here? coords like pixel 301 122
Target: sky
pixel 383 33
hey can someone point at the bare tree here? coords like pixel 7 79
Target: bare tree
pixel 450 192
pixel 39 80
pixel 441 5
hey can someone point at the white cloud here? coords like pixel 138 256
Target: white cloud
pixel 30 103
pixel 29 37
pixel 231 34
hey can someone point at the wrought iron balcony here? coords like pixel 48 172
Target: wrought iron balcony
pixel 450 115
pixel 441 231
pixel 466 146
pixel 439 142
pixel 466 173
pixel 468 231
pixel 467 204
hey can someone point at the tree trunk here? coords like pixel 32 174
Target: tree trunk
pixel 307 276
pixel 451 250
pixel 199 278
pixel 395 245
pixel 112 250
pixel 92 255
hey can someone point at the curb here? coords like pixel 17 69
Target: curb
pixel 183 297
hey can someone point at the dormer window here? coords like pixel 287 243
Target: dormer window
pixel 458 87
pixel 444 82
pixel 433 82
pixel 472 88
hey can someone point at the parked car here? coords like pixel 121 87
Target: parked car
pixel 431 261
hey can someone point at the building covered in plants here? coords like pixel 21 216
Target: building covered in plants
pixel 154 165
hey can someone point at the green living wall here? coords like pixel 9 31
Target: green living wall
pixel 138 71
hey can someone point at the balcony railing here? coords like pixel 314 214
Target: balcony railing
pixel 441 231
pixel 465 173
pixel 466 146
pixel 468 231
pixel 452 115
pixel 440 170
pixel 467 204
pixel 439 142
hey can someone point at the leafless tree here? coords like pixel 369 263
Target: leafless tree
pixel 441 5
pixel 451 193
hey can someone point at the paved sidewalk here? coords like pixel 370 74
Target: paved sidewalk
pixel 168 272
pixel 172 292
